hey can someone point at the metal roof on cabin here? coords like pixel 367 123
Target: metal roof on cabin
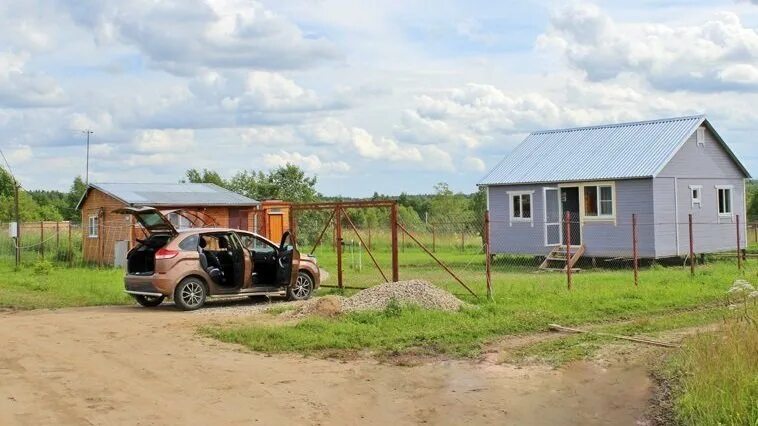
pixel 616 151
pixel 174 194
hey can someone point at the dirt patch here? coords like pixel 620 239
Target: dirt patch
pixel 327 306
pixel 125 365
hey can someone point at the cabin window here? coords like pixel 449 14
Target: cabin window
pixel 696 194
pixel 521 206
pixel 92 227
pixel 700 136
pixel 598 201
pixel 725 200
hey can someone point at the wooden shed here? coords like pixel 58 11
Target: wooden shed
pixel 108 236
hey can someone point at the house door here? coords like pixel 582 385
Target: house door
pixel 238 219
pixel 553 229
pixel 570 203
pixel 275 226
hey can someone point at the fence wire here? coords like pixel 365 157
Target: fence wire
pixel 445 250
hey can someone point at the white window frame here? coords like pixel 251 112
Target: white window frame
pixel 521 219
pixel 599 215
pixel 93 231
pixel 699 199
pixel 544 215
pixel 720 188
pixel 700 136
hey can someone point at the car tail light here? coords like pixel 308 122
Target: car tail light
pixel 165 254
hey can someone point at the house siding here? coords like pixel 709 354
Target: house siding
pixel 601 238
pixel 614 239
pixel 516 237
pixel 708 165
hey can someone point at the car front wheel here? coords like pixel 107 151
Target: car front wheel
pixel 302 289
pixel 190 294
pixel 149 301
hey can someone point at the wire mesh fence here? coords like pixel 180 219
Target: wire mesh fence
pixel 354 247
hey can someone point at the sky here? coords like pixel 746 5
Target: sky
pixel 370 97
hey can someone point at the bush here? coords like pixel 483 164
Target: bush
pixel 42 267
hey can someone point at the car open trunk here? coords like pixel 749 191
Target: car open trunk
pixel 141 259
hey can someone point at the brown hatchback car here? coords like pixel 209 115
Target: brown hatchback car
pixel 192 265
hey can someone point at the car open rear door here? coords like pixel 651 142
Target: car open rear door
pixel 150 218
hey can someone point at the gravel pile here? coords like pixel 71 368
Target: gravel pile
pixel 413 292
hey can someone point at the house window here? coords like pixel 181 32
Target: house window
pixel 725 200
pixel 696 194
pixel 700 136
pixel 92 230
pixel 598 201
pixel 179 221
pixel 521 206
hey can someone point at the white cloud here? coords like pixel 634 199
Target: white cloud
pixel 183 37
pixel 20 154
pixel 21 88
pixel 739 73
pixel 164 141
pixel 101 150
pixel 690 57
pixel 474 164
pixel 311 163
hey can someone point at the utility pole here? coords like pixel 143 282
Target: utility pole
pixel 18 223
pixel 86 175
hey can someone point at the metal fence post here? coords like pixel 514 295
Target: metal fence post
pixel 463 240
pixel 634 249
pixel 692 248
pixel 739 256
pixel 393 231
pixel 70 250
pixel 57 238
pixel 42 239
pixel 338 236
pixel 568 249
pixel 434 240
pixel 487 259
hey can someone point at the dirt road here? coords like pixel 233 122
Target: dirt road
pixel 130 365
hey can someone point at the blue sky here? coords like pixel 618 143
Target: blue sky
pixel 386 97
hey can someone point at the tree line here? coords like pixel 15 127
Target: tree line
pixel 287 183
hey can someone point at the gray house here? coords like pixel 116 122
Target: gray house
pixel 660 170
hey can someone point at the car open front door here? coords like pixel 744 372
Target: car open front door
pixel 288 261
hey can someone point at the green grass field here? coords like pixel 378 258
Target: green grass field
pixel 524 302
pixel 60 287
pixel 715 377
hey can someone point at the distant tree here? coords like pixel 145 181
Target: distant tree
pixel 478 203
pixel 448 205
pixel 6 183
pixel 206 176
pixel 752 200
pixel 288 183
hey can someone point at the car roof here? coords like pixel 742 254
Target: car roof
pixel 189 231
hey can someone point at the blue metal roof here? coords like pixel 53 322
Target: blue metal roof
pixel 172 194
pixel 617 151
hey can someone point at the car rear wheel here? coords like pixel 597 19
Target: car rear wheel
pixel 302 289
pixel 190 294
pixel 149 301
